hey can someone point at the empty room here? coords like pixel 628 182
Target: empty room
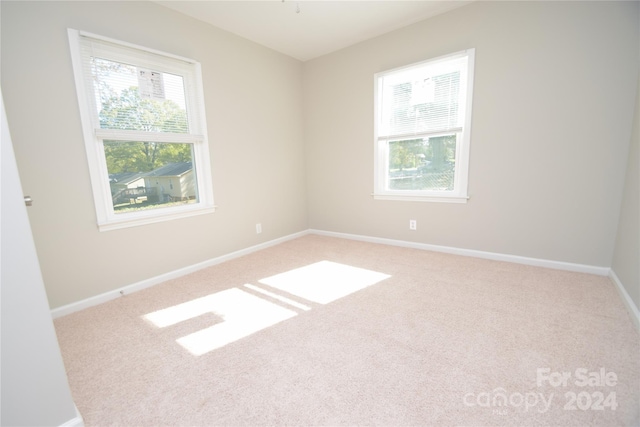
pixel 320 213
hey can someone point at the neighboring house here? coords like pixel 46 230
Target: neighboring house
pixel 173 181
pixel 124 180
pixel 126 186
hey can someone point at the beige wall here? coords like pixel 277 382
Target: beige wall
pixel 552 111
pixel 626 258
pixel 554 96
pixel 253 100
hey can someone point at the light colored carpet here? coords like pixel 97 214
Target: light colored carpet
pixel 366 334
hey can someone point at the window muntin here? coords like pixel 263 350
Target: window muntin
pixel 145 134
pixel 423 116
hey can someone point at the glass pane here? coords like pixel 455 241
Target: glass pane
pixel 425 104
pixel 133 98
pixel 150 175
pixel 425 164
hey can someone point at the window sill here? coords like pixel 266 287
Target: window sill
pixel 422 198
pixel 144 218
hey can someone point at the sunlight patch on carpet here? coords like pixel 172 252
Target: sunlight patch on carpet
pixel 279 297
pixel 324 281
pixel 242 312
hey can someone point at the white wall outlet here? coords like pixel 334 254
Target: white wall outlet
pixel 258 228
pixel 413 224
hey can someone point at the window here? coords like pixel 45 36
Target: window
pixel 423 118
pixel 145 134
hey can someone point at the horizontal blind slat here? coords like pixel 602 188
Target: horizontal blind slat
pixel 425 135
pixel 127 135
pixel 422 99
pixel 137 90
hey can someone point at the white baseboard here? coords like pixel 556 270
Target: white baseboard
pixel 626 299
pixel 77 421
pixel 558 265
pixel 116 293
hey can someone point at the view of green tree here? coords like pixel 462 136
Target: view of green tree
pixel 406 154
pixel 128 111
pixel 441 152
pixel 423 164
pixel 143 156
pixel 436 153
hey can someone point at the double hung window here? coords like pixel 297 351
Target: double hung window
pixel 145 134
pixel 423 120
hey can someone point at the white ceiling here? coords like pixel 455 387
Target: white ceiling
pixel 308 29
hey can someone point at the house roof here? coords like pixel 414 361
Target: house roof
pixel 125 177
pixel 171 169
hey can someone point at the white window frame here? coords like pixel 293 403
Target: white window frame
pixel 381 151
pixel 94 136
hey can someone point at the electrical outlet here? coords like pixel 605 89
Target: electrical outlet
pixel 258 228
pixel 413 224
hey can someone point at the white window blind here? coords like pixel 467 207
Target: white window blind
pixel 422 99
pixel 148 89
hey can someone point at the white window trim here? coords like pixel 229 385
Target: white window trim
pixel 94 136
pixel 460 193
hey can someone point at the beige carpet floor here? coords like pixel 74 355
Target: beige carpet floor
pixel 353 333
